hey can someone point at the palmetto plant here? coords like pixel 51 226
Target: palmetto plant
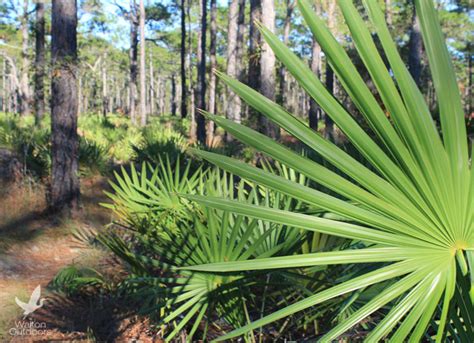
pixel 178 297
pixel 412 212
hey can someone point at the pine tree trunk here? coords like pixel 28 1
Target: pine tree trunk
pixel 201 80
pixel 183 59
pixel 415 52
pixel 328 123
pixel 173 95
pixel 14 92
pixel 267 68
pixel 254 45
pixel 235 52
pixel 39 62
pixel 282 96
pixel 152 85
pixel 25 96
pixel 189 91
pixel 314 109
pixel 133 55
pixel 233 101
pixel 212 79
pixel 65 144
pixel 162 96
pixel 143 113
pixel 240 45
pixel 105 95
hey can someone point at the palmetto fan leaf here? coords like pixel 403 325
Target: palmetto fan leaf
pixel 413 211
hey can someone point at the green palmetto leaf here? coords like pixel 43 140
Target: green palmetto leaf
pixel 414 214
pixel 396 107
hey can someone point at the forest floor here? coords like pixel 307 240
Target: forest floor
pixel 34 247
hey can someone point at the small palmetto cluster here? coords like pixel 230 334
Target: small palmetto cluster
pixel 170 232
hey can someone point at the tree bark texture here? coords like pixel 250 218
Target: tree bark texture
pixel 201 79
pixel 233 101
pixel 267 68
pixel 314 109
pixel 330 84
pixel 240 39
pixel 282 96
pixel 152 90
pixel 65 191
pixel 105 90
pixel 415 52
pixel 133 55
pixel 254 45
pixel 25 94
pixel 173 95
pixel 39 61
pixel 212 78
pixel 184 112
pixel 143 112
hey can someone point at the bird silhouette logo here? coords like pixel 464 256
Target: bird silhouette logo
pixel 33 304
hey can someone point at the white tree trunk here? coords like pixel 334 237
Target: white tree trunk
pixel 267 66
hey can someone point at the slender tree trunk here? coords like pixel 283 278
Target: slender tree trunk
pixel 254 45
pixel 162 96
pixel 111 99
pixel 178 97
pixel 133 54
pixel 65 144
pixel 4 85
pixel 233 101
pixel 14 84
pixel 282 96
pixel 173 95
pixel 80 96
pixel 158 95
pixel 143 113
pixel 105 91
pixel 25 63
pixel 39 62
pixel 330 85
pixel 267 68
pixel 201 81
pixel 240 42
pixel 190 89
pixel 314 109
pixel 240 52
pixel 415 52
pixel 183 60
pixel 152 85
pixel 212 79
pixel 15 95
pixel 235 51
